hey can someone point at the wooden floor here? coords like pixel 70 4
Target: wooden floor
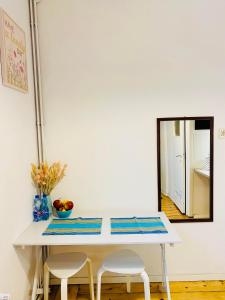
pixel 171 210
pixel 197 290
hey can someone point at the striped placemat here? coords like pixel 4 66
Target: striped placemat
pixel 74 226
pixel 136 225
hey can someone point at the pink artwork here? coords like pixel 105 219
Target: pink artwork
pixel 13 54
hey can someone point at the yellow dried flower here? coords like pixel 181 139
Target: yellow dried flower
pixel 46 177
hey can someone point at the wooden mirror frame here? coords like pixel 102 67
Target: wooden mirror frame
pixel 211 119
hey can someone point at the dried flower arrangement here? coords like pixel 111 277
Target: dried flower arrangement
pixel 46 177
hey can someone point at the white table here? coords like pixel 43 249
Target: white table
pixel 32 236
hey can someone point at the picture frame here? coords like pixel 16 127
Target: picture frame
pixel 13 54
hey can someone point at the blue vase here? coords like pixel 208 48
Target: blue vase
pixel 44 208
pixel 37 216
pixel 49 203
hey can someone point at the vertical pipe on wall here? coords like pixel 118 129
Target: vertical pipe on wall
pixel 37 283
pixel 37 79
pixel 40 102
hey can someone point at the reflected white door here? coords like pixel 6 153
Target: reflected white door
pixel 179 166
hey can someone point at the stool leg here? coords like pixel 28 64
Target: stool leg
pixel 128 285
pixel 165 276
pixel 64 289
pixel 46 281
pixel 91 282
pixel 145 278
pixel 99 279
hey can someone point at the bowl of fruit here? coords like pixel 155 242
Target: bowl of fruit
pixel 63 208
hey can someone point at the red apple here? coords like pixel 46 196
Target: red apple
pixel 68 205
pixel 57 204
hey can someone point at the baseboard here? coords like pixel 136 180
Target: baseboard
pixel 153 278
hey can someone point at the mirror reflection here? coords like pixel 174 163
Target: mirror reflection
pixel 185 175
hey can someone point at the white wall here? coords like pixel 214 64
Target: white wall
pixel 18 150
pixel 110 68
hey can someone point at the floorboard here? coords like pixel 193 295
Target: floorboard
pixel 194 290
pixel 53 292
pixel 171 210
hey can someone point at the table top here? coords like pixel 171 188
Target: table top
pixel 32 236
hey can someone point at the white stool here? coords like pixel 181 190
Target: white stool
pixel 64 266
pixel 124 262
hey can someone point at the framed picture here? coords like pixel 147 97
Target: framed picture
pixel 13 54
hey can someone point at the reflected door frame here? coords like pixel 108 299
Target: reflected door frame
pixel 189 209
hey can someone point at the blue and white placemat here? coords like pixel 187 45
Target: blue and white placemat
pixel 137 225
pixel 74 226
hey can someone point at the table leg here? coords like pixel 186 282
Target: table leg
pixel 45 253
pixel 41 253
pixel 37 284
pixel 164 272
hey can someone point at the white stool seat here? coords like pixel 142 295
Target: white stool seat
pixel 124 262
pixel 65 265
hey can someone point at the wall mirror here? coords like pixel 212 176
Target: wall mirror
pixel 185 168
